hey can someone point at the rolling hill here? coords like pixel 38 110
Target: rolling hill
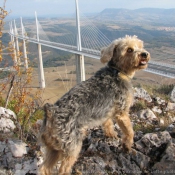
pixel 149 15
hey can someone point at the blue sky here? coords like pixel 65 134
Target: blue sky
pixel 59 7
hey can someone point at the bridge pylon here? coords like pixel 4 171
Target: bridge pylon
pixel 40 59
pixel 80 69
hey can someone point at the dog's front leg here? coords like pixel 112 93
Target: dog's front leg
pixel 125 124
pixel 108 128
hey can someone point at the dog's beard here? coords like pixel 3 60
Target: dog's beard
pixel 141 63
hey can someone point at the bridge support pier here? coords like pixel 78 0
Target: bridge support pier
pixel 13 45
pixel 80 70
pixel 40 68
pixel 40 59
pixel 17 44
pixel 25 55
pixel 24 47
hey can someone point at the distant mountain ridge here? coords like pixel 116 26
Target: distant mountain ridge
pixel 148 14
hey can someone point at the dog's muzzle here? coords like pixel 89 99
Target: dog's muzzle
pixel 144 58
pixel 144 54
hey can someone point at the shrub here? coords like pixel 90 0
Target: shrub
pixel 15 93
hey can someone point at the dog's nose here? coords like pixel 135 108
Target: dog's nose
pixel 144 54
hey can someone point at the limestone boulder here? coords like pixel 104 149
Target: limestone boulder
pixel 7 120
pixel 140 93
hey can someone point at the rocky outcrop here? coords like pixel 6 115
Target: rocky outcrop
pixel 153 151
pixel 103 155
pixel 16 158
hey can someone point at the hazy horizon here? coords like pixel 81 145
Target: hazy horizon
pixel 61 7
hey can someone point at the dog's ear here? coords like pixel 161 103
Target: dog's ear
pixel 107 53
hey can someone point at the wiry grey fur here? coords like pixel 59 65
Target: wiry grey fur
pixel 106 95
pixel 87 104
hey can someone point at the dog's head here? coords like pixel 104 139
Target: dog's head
pixel 126 54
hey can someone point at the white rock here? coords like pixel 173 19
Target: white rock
pixel 142 93
pixel 170 106
pixel 162 122
pixel 172 119
pixel 172 95
pixel 6 120
pixel 157 109
pixel 160 101
pixel 6 125
pixel 18 148
pixel 7 113
pixel 147 114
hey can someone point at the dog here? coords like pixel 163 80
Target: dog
pixel 100 100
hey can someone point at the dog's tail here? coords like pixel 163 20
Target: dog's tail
pixel 52 148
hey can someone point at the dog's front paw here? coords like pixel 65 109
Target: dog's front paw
pixel 126 147
pixel 112 134
pixel 127 144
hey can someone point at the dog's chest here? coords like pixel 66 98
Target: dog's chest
pixel 123 97
pixel 118 89
pixel 123 101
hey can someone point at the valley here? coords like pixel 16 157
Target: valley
pixel 157 32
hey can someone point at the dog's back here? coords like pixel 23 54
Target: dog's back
pixel 84 106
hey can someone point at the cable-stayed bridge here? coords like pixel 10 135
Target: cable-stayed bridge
pixel 82 40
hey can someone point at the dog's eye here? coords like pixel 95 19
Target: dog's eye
pixel 129 50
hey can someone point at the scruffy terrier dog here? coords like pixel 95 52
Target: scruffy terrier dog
pixel 100 100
